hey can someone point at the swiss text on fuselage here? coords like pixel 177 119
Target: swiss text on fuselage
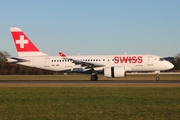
pixel 128 59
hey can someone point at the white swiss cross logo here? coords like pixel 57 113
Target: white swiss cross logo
pixel 22 41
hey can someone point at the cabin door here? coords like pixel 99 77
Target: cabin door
pixel 46 62
pixel 150 61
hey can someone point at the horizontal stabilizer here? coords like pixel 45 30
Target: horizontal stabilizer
pixel 16 60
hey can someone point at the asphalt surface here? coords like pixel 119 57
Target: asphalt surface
pixel 29 82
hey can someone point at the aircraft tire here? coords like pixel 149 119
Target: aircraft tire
pixel 157 78
pixel 94 78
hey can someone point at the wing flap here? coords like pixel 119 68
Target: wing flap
pixel 86 64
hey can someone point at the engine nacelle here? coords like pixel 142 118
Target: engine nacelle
pixel 117 71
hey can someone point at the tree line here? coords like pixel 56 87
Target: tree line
pixel 176 63
pixel 14 69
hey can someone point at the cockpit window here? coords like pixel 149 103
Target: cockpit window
pixel 161 59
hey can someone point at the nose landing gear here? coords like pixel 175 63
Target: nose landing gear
pixel 157 77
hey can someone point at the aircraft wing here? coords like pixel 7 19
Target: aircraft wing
pixel 87 65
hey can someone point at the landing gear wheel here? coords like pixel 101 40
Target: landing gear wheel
pixel 94 78
pixel 157 78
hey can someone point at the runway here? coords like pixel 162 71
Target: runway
pixel 29 82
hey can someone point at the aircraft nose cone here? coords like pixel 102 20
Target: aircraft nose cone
pixel 169 65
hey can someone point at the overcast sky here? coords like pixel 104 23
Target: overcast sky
pixel 94 26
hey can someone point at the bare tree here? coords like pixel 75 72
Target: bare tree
pixel 3 67
pixel 3 55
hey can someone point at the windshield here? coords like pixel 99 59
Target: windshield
pixel 161 59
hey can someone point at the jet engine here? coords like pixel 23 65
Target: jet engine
pixel 116 71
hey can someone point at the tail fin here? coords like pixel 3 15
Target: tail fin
pixel 23 44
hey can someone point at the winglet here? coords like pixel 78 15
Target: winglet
pixel 61 54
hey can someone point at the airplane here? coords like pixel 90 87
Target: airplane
pixel 111 66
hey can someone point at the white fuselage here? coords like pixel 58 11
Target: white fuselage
pixel 144 62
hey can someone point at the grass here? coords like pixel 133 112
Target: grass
pixel 87 77
pixel 87 103
pixel 84 102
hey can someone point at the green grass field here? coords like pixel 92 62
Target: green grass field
pixel 89 103
pixel 87 77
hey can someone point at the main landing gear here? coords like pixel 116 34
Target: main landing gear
pixel 94 77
